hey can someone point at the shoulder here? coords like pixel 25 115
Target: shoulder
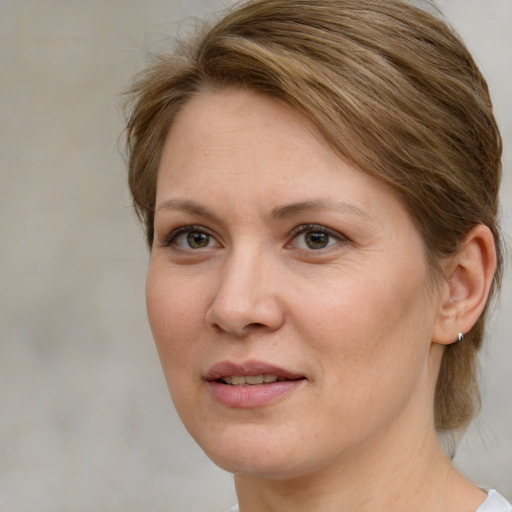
pixel 495 502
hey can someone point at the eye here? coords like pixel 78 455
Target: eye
pixel 314 237
pixel 191 237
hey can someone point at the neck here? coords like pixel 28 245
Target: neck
pixel 407 474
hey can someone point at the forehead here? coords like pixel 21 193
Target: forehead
pixel 241 120
pixel 237 148
pixel 227 135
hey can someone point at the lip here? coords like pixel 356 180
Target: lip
pixel 258 395
pixel 226 368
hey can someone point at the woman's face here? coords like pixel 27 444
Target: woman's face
pixel 287 292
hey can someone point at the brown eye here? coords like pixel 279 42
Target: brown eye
pixel 316 240
pixel 198 240
pixel 313 237
pixel 191 238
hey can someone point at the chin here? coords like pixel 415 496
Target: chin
pixel 257 452
pixel 264 467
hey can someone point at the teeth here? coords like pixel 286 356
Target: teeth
pixel 254 379
pixel 249 380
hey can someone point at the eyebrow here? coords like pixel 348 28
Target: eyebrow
pixel 317 204
pixel 279 212
pixel 187 206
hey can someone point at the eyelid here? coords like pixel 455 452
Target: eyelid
pixel 304 228
pixel 175 233
pixel 170 239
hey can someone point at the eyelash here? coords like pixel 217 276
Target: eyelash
pixel 171 239
pixel 317 228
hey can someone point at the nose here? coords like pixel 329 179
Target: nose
pixel 247 296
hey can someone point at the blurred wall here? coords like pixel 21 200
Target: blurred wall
pixel 85 419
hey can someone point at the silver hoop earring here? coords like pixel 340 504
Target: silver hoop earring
pixel 460 337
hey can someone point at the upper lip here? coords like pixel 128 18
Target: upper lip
pixel 247 368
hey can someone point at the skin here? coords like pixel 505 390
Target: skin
pixel 360 318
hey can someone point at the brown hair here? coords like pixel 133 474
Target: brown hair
pixel 392 89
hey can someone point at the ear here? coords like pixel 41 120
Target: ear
pixel 463 295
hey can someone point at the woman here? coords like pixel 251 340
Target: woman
pixel 318 181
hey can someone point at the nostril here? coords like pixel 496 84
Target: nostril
pixel 240 317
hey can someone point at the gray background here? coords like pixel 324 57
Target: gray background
pixel 85 420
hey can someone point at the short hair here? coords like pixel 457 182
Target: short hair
pixel 393 90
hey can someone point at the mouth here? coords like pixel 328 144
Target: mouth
pixel 249 373
pixel 251 383
pixel 251 380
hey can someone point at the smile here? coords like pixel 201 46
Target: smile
pixel 250 380
pixel 250 384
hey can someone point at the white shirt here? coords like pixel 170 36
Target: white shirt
pixel 495 502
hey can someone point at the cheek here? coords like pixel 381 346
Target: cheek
pixel 176 317
pixel 175 314
pixel 366 326
pixel 371 360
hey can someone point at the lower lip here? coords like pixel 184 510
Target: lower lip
pixel 258 395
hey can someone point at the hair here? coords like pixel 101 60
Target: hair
pixel 393 90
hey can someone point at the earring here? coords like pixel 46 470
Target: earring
pixel 460 338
